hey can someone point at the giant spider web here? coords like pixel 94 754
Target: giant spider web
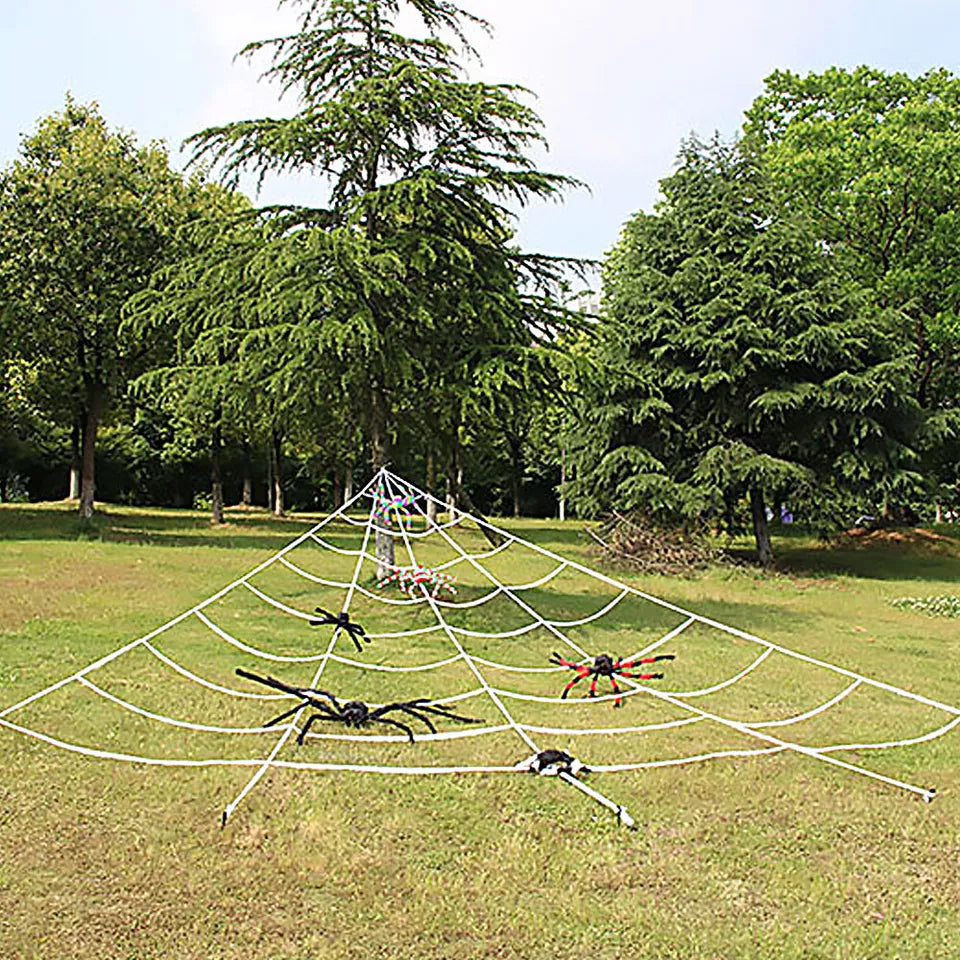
pixel 728 693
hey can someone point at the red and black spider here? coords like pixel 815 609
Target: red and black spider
pixel 354 713
pixel 605 666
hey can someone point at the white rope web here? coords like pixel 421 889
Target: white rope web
pixel 489 645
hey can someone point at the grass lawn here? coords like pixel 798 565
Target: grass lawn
pixel 779 856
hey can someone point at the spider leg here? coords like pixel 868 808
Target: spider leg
pixel 321 712
pixel 271 682
pixel 287 713
pixel 308 725
pixel 613 683
pixel 569 686
pixel 441 711
pixel 423 718
pixel 312 720
pixel 394 723
pixel 593 685
pixel 327 694
pixel 406 707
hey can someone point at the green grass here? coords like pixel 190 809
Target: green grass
pixel 772 857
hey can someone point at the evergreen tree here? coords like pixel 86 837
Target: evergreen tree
pixel 735 360
pixel 406 275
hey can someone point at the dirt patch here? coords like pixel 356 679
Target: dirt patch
pixel 911 535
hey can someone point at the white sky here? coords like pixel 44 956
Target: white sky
pixel 618 82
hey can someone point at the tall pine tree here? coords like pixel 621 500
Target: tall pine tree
pixel 405 276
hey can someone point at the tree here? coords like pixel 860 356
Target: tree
pixel 734 359
pixel 85 216
pixel 874 158
pixel 192 306
pixel 407 274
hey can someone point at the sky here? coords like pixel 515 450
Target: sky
pixel 618 83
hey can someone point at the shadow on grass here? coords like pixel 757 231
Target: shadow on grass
pixel 920 554
pixel 895 554
pixel 245 528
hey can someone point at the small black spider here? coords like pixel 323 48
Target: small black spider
pixel 550 763
pixel 354 713
pixel 342 621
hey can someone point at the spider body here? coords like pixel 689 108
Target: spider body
pixel 605 666
pixel 354 713
pixel 411 579
pixel 551 763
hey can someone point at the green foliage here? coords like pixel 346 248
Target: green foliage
pixel 84 214
pixel 85 217
pixel 404 283
pixel 735 356
pixel 875 159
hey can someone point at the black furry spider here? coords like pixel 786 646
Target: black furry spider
pixel 342 621
pixel 354 713
pixel 605 666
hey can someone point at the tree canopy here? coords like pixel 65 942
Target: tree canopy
pixel 874 158
pixel 734 358
pixel 85 217
pixel 405 280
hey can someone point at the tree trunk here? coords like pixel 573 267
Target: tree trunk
pixel 563 480
pixel 459 496
pixel 216 481
pixel 454 476
pixel 276 441
pixel 73 492
pixel 493 538
pixel 246 497
pixel 386 560
pixel 338 499
pixel 450 497
pixel 761 530
pixel 348 483
pixel 516 471
pixel 94 408
pixel 270 476
pixel 431 482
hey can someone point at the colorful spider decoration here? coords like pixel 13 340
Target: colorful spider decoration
pixel 551 763
pixel 605 666
pixel 354 713
pixel 387 508
pixel 411 579
pixel 343 621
